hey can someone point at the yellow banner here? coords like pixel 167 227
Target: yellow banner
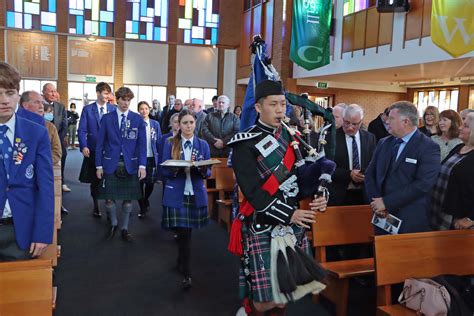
pixel 452 26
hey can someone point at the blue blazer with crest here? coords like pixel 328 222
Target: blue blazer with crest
pixel 30 187
pixel 155 139
pixel 111 143
pixel 89 125
pixel 174 184
pixel 405 185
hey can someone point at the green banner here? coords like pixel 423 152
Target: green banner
pixel 310 33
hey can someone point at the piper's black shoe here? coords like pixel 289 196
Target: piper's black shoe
pixel 187 283
pixel 126 236
pixel 111 233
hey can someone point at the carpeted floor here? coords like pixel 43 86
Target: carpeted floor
pixel 110 277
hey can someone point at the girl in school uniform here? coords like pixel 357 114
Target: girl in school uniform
pixel 185 197
pixel 153 137
pixel 121 160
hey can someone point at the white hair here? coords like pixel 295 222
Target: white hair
pixel 342 106
pixel 224 98
pixel 353 110
pixel 470 121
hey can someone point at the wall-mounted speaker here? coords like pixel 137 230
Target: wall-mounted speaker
pixel 393 6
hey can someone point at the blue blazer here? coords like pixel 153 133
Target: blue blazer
pixel 38 119
pixel 111 143
pixel 155 140
pixel 89 125
pixel 30 187
pixel 161 143
pixel 174 185
pixel 405 186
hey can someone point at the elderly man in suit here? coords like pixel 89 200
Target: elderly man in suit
pixel 26 178
pixel 87 133
pixel 197 107
pixel 403 170
pixel 60 121
pixel 354 150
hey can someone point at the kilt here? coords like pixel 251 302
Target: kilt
pixel 257 248
pixel 150 171
pixel 88 170
pixel 114 188
pixel 188 216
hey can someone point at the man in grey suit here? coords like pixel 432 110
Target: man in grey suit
pixel 60 121
pixel 198 108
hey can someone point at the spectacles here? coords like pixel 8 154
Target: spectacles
pixel 348 124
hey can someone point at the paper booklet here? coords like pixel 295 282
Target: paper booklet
pixel 391 224
pixel 188 163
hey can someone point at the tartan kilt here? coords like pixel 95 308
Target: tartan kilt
pixel 88 170
pixel 188 216
pixel 112 187
pixel 257 248
pixel 150 171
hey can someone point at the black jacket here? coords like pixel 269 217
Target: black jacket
pixel 342 176
pixel 216 126
pixel 377 128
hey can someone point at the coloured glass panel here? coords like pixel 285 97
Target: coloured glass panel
pixel 91 17
pixel 352 6
pixel 32 14
pixel 146 19
pixel 198 21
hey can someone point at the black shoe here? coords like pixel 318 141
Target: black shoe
pixel 64 210
pixel 187 283
pixel 96 213
pixel 111 233
pixel 126 236
pixel 142 213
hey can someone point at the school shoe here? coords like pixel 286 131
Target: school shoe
pixel 64 210
pixel 126 236
pixel 96 213
pixel 187 283
pixel 111 232
pixel 142 213
pixel 66 188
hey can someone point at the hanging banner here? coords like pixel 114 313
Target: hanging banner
pixel 310 33
pixel 452 26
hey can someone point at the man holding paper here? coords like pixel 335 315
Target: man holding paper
pixel 402 171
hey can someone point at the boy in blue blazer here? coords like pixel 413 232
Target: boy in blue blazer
pixel 121 160
pixel 26 178
pixel 87 133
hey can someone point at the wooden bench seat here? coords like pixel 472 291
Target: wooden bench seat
pixel 342 225
pixel 26 287
pixel 211 189
pixel 224 213
pixel 419 255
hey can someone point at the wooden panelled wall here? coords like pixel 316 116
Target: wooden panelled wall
pixel 368 28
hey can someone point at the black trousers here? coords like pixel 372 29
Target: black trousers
pixel 9 250
pixel 147 190
pixel 184 250
pixel 63 160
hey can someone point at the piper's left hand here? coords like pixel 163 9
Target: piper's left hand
pixel 318 204
pixel 141 173
pixel 378 206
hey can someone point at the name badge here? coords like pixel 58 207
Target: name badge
pixel 411 160
pixel 132 133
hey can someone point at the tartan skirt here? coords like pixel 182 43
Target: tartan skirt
pixel 258 260
pixel 88 170
pixel 114 188
pixel 188 216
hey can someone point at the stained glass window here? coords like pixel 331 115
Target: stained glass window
pixel 147 20
pixel 352 6
pixel 32 14
pixel 198 21
pixel 91 17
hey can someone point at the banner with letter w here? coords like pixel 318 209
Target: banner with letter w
pixel 452 26
pixel 310 33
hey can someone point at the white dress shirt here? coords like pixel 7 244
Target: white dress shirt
pixel 149 150
pixel 103 106
pixel 349 148
pixel 10 135
pixel 119 115
pixel 188 186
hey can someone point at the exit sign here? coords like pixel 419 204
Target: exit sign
pixel 321 85
pixel 91 79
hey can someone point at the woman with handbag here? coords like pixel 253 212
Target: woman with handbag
pixel 185 198
pixel 121 160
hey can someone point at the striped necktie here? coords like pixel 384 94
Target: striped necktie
pixel 355 154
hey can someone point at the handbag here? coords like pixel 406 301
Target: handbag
pixel 121 171
pixel 426 297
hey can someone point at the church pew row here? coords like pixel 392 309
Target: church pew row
pixel 26 288
pixel 225 181
pixel 342 225
pixel 419 255
pixel 212 191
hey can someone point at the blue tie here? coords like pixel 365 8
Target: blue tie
pixel 187 144
pixel 396 148
pixel 101 112
pixel 355 155
pixel 5 156
pixel 122 125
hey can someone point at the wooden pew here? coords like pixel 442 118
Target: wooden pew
pixel 420 255
pixel 225 182
pixel 342 225
pixel 26 288
pixel 211 187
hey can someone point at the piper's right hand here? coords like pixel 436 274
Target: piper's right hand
pixel 86 152
pixel 303 218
